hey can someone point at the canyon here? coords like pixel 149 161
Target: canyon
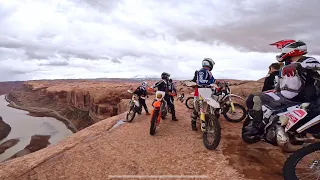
pixel 97 150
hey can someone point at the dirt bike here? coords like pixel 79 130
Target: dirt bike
pixel 134 107
pixel 180 97
pixel 210 111
pixel 292 172
pixel 159 111
pixel 224 97
pixel 289 127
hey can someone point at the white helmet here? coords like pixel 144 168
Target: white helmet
pixel 144 84
pixel 208 62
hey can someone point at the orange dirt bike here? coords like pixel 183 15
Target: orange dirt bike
pixel 160 110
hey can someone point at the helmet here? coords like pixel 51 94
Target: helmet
pixel 144 84
pixel 290 48
pixel 170 80
pixel 208 62
pixel 165 76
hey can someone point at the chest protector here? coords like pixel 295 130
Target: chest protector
pixel 293 85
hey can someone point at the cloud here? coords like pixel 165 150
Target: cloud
pixel 123 38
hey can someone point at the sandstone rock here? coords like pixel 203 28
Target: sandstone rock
pixel 37 142
pixel 8 144
pixel 4 129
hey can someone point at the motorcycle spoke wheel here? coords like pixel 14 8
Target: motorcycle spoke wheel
pixel 189 102
pixel 131 114
pixel 303 164
pixel 212 135
pixel 238 115
pixel 154 123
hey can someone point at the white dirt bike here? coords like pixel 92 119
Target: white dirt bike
pixel 289 127
pixel 210 111
pixel 229 107
pixel 134 107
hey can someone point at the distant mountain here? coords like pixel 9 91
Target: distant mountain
pixel 7 87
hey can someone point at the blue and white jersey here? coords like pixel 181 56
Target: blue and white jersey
pixel 204 77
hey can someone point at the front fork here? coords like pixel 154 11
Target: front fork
pixel 157 107
pixel 202 115
pixel 231 104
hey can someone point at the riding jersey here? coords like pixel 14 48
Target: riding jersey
pixel 162 85
pixel 300 87
pixel 203 77
pixel 141 91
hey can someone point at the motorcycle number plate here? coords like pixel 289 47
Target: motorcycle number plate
pixel 294 116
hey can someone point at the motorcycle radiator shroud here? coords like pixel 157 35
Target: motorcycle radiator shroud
pixel 277 121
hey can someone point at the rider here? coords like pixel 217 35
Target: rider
pixel 269 82
pixel 141 91
pixel 203 77
pixel 172 89
pixel 296 83
pixel 163 85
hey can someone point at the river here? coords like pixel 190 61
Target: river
pixel 24 126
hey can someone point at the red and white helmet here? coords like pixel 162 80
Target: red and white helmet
pixel 290 48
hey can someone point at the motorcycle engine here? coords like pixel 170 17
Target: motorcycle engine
pixel 271 135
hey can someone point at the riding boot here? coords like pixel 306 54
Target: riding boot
pixel 174 118
pixel 255 127
pixel 194 117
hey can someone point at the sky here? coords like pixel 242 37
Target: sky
pixel 61 39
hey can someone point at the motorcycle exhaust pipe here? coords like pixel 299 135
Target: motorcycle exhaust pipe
pixel 283 141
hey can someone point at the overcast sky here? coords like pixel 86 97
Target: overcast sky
pixel 48 39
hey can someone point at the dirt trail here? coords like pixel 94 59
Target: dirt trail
pixel 97 153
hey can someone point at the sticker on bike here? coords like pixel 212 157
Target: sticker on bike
pixel 294 116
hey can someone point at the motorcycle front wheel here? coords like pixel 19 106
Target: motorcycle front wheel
pixel 213 130
pixel 309 170
pixel 239 110
pixel 154 119
pixel 189 102
pixel 131 113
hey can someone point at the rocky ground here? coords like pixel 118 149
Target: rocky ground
pixel 4 129
pixel 99 150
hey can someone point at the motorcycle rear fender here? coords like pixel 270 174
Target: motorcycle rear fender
pixel 309 124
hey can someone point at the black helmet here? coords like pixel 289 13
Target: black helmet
pixel 170 80
pixel 165 75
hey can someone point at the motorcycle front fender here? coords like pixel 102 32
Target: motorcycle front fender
pixel 137 103
pixel 213 103
pixel 233 95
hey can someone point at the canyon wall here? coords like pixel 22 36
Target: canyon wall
pixel 82 102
